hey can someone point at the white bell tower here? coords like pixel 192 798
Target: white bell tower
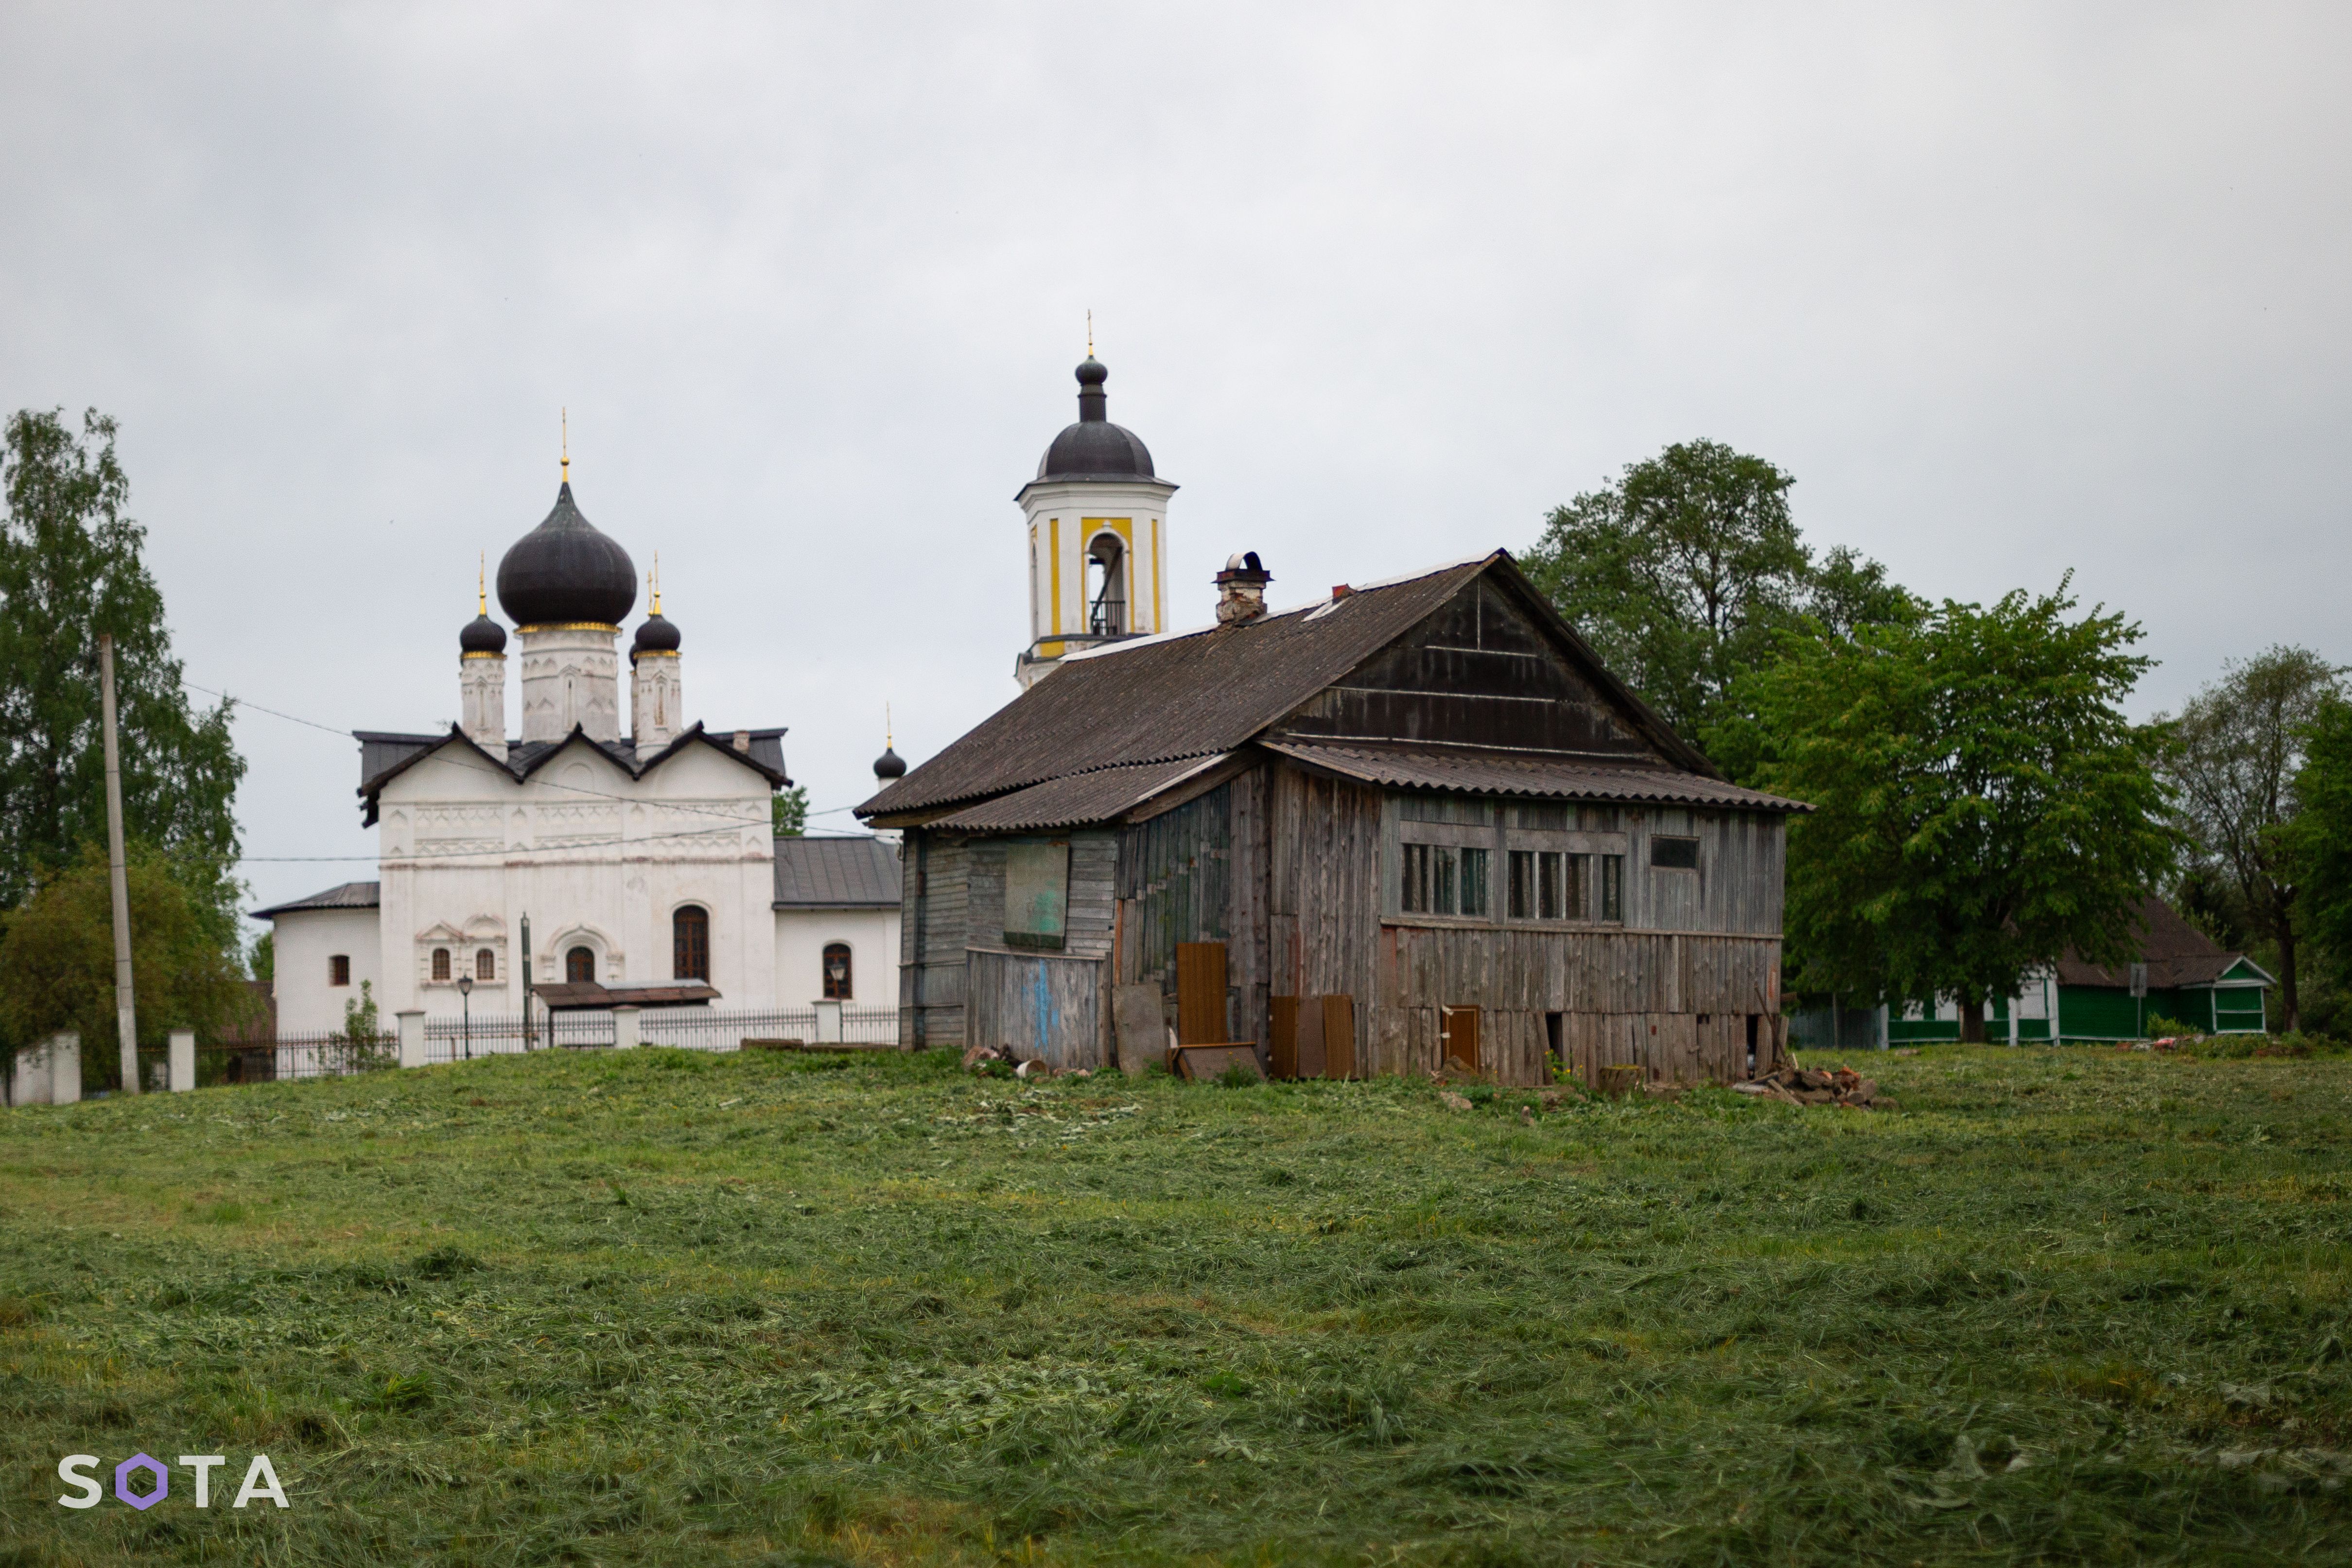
pixel 1098 519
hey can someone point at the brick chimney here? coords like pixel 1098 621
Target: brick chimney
pixel 1241 590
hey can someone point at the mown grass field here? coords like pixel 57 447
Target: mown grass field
pixel 663 1308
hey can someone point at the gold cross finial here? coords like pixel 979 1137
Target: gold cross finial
pixel 567 446
pixel 1090 334
pixel 654 578
pixel 889 742
pixel 482 582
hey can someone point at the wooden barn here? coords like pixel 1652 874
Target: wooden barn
pixel 1414 824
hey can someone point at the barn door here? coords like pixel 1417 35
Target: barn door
pixel 1458 1034
pixel 1201 994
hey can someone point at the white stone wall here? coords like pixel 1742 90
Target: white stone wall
pixel 801 936
pixel 482 696
pixel 571 676
pixel 656 700
pixel 594 857
pixel 302 943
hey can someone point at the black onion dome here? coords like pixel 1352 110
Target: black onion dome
pixel 565 571
pixel 656 634
pixel 1095 448
pixel 889 765
pixel 482 635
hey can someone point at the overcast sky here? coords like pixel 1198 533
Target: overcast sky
pixel 2010 291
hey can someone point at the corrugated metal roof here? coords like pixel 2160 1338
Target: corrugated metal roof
pixel 836 873
pixel 1164 697
pixel 1079 797
pixel 1491 772
pixel 347 896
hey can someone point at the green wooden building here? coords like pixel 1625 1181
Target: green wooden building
pixel 2181 974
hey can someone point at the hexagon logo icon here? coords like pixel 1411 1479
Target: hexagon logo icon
pixel 138 1462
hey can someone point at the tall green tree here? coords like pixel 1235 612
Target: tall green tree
pixel 789 808
pixel 1982 804
pixel 1684 573
pixel 2239 746
pixel 2319 840
pixel 71 567
pixel 57 959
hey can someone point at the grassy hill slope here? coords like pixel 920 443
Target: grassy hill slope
pixel 667 1308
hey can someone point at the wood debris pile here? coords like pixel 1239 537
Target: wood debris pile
pixel 988 1062
pixel 1807 1085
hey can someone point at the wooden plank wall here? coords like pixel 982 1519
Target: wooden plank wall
pixel 931 963
pixel 1676 1004
pixel 1198 873
pixel 1323 892
pixel 1039 1005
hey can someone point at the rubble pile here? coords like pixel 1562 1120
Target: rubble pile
pixel 988 1061
pixel 1807 1085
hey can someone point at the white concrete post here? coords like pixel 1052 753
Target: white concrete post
pixel 181 1072
pixel 64 1067
pixel 828 1023
pixel 624 1028
pixel 411 1037
pixel 29 1084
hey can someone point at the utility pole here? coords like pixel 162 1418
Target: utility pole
pixel 126 1013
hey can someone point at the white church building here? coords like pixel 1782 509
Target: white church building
pixel 638 861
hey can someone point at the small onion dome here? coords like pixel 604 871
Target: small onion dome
pixel 482 635
pixel 889 765
pixel 1095 448
pixel 565 570
pixel 656 634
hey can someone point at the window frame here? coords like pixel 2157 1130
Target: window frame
pixel 568 952
pixel 442 966
pixel 848 984
pixel 681 955
pixel 338 969
pixel 1574 877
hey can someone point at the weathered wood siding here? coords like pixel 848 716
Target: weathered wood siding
pixel 1478 672
pixel 1324 891
pixel 1676 1005
pixel 1199 873
pixel 932 939
pixel 1039 1005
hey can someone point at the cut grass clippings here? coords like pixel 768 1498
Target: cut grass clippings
pixel 660 1307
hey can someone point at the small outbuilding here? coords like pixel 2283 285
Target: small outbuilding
pixel 1409 825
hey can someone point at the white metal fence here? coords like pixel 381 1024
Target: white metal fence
pixel 688 1028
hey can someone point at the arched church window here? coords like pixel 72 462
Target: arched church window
pixel 1107 586
pixel 690 944
pixel 836 971
pixel 486 964
pixel 440 964
pixel 579 966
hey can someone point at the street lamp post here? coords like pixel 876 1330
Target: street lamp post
pixel 465 1002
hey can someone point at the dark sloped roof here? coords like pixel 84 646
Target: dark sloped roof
pixel 1191 694
pixel 2175 953
pixel 1491 772
pixel 345 896
pixel 1077 797
pixel 565 995
pixel 1202 693
pixel 398 753
pixel 836 874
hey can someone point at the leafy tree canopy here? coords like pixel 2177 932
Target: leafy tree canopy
pixel 1683 573
pixel 56 960
pixel 2233 772
pixel 1982 804
pixel 791 809
pixel 2319 840
pixel 70 568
